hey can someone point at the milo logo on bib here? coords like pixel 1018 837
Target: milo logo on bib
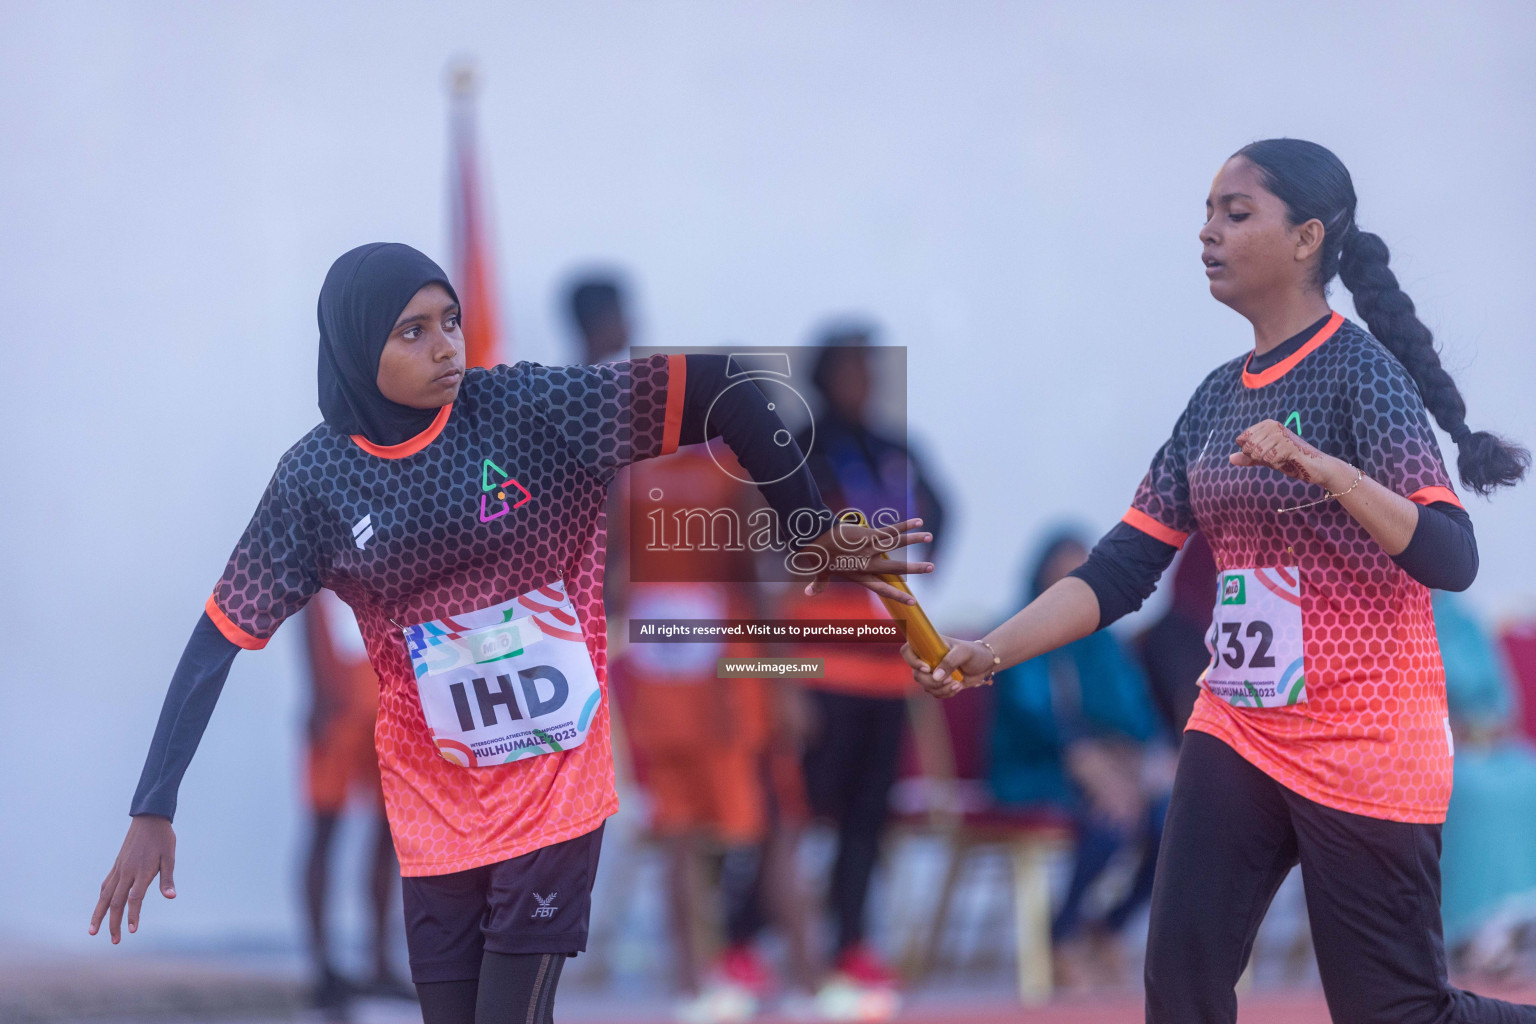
pixel 497 643
pixel 503 683
pixel 1256 639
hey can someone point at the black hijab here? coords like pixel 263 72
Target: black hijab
pixel 363 295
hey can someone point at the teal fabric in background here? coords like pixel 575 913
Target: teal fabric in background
pixel 1090 687
pixel 1488 857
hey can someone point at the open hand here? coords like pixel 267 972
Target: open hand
pixel 148 850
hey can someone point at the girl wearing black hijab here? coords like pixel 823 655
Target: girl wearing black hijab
pixel 459 512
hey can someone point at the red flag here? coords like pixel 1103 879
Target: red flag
pixel 474 277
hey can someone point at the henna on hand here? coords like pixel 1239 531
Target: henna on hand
pixel 1270 444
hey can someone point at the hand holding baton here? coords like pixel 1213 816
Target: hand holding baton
pixel 925 640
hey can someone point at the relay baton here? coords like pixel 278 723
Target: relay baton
pixel 925 640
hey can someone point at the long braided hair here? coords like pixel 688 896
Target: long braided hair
pixel 1314 184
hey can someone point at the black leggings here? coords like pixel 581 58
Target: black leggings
pixel 1373 898
pixel 513 988
pixel 849 771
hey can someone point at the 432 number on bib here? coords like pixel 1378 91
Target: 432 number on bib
pixel 1255 639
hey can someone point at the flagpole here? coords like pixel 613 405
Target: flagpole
pixel 473 273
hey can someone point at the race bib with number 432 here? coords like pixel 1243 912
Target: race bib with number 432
pixel 1256 639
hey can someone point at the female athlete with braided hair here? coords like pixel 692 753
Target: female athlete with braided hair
pixel 1320 734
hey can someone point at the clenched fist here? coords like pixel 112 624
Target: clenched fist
pixel 1269 444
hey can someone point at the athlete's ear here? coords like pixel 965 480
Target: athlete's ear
pixel 1309 239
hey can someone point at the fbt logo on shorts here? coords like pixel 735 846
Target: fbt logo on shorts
pixel 1232 590
pixel 545 906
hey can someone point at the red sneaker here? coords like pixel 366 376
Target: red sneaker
pixel 864 967
pixel 740 965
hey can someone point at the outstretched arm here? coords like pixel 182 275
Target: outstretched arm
pixel 1066 612
pixel 1121 573
pixel 194 690
pixel 757 437
pixel 754 433
pixel 150 846
pixel 274 564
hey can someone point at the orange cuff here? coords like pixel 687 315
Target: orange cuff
pixel 1152 528
pixel 1430 495
pixel 677 383
pixel 233 633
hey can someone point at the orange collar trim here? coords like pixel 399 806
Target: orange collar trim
pixel 411 447
pixel 1286 365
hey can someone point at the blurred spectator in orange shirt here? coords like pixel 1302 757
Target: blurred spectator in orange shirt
pixel 341 764
pixel 703 748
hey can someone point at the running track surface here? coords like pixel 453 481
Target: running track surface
pixel 1265 1008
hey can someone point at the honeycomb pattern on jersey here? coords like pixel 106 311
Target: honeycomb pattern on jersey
pixel 1371 736
pixel 562 432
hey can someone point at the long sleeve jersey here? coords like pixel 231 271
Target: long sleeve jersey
pixel 501 498
pixel 1371 736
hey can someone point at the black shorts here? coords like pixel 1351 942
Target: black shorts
pixel 537 903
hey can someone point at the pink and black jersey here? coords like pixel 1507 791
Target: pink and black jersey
pixel 503 494
pixel 1371 736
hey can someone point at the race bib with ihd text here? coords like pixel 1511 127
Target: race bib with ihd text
pixel 510 681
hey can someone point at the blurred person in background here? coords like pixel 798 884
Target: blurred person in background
pixel 459 513
pixel 1074 730
pixel 708 756
pixel 1173 649
pixel 851 724
pixel 1320 735
pixel 1488 857
pixel 595 301
pixel 709 752
pixel 340 764
pixel 699 743
pixel 858 710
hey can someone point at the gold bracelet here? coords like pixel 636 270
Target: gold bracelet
pixel 1359 475
pixel 996 661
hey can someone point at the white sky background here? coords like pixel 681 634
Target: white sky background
pixel 1014 190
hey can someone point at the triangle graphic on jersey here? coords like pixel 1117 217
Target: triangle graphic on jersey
pixel 486 468
pixel 525 499
pixel 1293 422
pixel 486 515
